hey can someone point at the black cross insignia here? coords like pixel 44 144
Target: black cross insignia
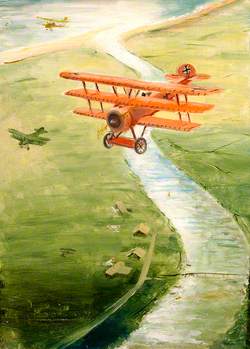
pixel 186 70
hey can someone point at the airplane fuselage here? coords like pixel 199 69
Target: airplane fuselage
pixel 122 118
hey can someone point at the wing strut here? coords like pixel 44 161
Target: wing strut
pixel 114 89
pixel 86 91
pixel 178 102
pixel 97 87
pixel 188 115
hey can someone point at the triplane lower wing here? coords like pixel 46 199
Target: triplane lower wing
pixel 135 102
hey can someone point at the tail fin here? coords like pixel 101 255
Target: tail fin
pixel 186 72
pixel 40 130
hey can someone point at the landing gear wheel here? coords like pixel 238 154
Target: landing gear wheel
pixel 106 139
pixel 140 145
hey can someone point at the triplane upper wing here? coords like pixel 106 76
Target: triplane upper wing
pixel 140 85
pixel 133 106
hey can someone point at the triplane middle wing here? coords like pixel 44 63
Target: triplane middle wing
pixel 135 102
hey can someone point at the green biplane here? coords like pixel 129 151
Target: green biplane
pixel 31 138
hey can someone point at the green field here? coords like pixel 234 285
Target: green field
pixel 217 155
pixel 61 196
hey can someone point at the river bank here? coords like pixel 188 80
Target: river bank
pixel 199 13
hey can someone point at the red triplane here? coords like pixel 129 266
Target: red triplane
pixel 135 103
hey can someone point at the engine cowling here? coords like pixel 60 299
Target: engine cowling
pixel 119 120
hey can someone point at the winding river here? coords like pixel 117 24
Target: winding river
pixel 201 307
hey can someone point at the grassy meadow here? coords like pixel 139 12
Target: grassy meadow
pixel 61 196
pixel 216 155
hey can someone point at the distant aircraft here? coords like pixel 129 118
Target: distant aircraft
pixel 50 23
pixel 63 20
pixel 135 102
pixel 32 138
